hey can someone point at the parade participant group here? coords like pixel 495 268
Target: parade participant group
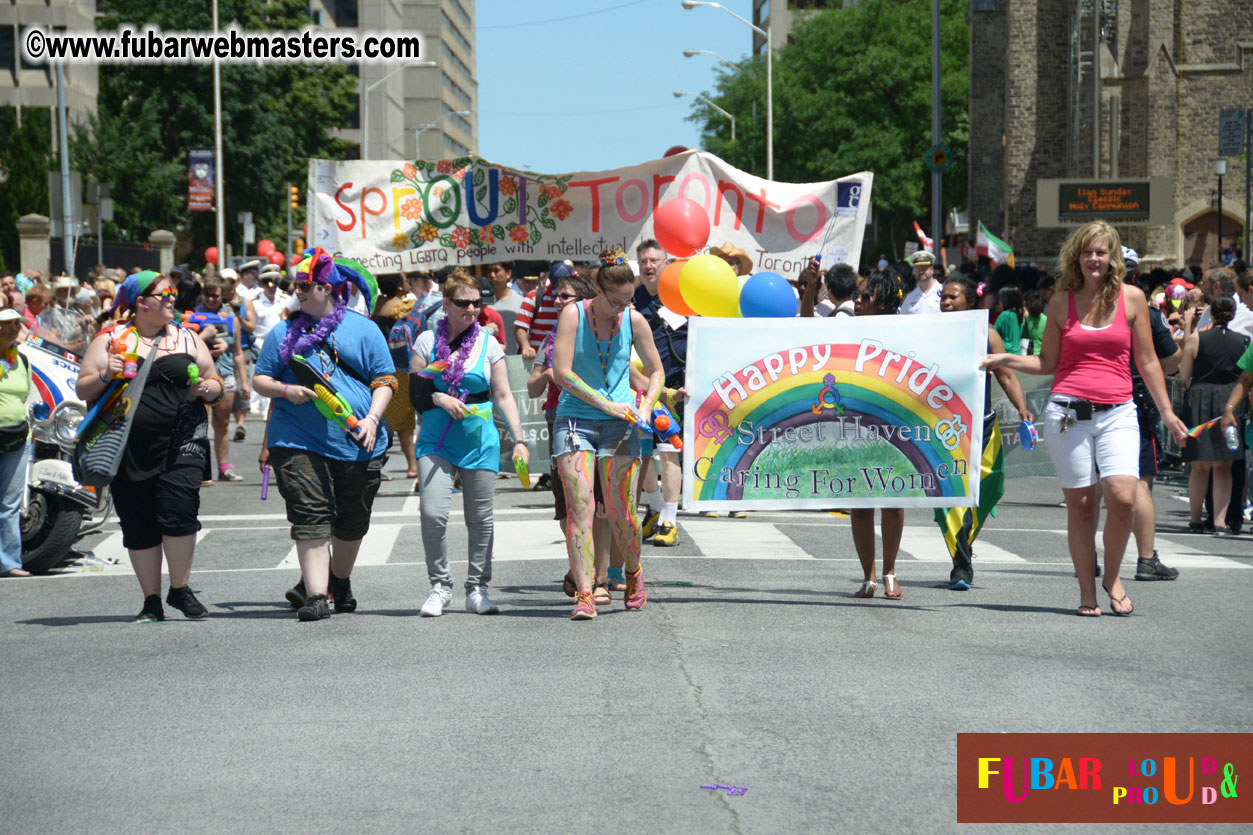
pixel 333 381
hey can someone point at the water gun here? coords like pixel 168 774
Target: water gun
pixel 667 427
pixel 196 322
pixel 327 398
pixel 524 475
pixel 193 375
pixel 131 359
pixel 640 423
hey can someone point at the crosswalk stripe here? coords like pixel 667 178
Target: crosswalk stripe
pixel 927 545
pixel 739 539
pixel 378 544
pixel 1185 556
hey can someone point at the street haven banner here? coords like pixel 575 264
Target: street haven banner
pixel 874 411
pixel 396 215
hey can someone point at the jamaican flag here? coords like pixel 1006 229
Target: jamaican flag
pixel 960 525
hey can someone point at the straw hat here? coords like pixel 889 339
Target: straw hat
pixel 731 252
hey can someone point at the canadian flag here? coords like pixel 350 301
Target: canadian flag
pixel 922 237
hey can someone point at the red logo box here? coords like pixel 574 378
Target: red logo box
pixel 1104 778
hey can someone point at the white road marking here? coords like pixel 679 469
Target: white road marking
pixel 927 545
pixel 1178 555
pixel 738 539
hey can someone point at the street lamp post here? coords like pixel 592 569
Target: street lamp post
pixel 680 94
pixel 692 53
pixel 417 133
pixel 691 4
pixel 365 103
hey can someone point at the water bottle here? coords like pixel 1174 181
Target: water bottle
pixel 1233 439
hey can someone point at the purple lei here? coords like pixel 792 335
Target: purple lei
pixel 456 367
pixel 299 339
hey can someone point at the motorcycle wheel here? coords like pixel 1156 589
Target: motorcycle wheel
pixel 49 527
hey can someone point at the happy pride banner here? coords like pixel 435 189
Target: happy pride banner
pixel 396 215
pixel 875 411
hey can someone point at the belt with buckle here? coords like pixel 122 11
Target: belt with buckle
pixel 1096 407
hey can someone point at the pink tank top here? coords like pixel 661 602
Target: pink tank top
pixel 1095 363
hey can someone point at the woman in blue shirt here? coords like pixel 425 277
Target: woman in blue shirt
pixel 327 478
pixel 591 358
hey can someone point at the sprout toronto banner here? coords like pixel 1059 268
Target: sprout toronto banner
pixel 875 411
pixel 421 215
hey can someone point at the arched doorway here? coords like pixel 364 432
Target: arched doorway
pixel 1200 236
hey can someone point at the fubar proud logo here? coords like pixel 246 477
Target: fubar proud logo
pixel 1103 778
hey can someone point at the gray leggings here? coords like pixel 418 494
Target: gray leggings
pixel 478 495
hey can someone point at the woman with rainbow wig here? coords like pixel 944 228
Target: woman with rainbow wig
pixel 328 474
pixel 156 491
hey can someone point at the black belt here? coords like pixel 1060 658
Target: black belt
pixel 1096 407
pixel 478 397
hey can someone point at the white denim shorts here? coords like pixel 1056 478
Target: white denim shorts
pixel 1107 445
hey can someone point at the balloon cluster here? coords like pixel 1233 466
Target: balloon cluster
pixel 706 285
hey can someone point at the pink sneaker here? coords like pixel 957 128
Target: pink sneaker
pixel 586 608
pixel 635 594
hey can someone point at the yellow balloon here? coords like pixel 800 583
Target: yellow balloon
pixel 710 286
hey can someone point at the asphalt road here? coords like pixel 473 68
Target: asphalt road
pixel 752 665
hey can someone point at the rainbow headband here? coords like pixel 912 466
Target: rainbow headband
pixel 336 273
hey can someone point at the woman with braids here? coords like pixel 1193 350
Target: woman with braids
pixel 1096 323
pixel 457 375
pixel 881 296
pixel 595 423
pixel 156 491
pixel 328 476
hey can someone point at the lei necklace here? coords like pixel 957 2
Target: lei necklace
pixel 8 360
pixel 456 368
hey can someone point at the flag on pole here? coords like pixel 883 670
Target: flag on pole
pixel 993 247
pixel 922 237
pixel 960 525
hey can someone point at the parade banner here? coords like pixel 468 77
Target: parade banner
pixel 396 215
pixel 875 411
pixel 200 180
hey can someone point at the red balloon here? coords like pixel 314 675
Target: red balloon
pixel 211 255
pixel 681 227
pixel 264 247
pixel 668 289
pixel 279 258
pixel 674 149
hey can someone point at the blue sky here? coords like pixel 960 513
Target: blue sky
pixel 595 91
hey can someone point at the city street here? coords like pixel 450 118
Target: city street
pixel 751 666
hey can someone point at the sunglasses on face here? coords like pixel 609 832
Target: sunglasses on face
pixel 565 297
pixel 163 295
pixel 305 286
pixel 465 304
pixel 866 297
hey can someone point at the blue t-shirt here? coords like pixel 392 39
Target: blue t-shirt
pixel 360 345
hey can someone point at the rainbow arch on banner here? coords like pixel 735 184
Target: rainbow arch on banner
pixel 790 402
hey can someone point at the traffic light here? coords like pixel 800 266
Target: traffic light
pixel 295 197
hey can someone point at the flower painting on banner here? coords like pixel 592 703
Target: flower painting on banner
pixel 412 215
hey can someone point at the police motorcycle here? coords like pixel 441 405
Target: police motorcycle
pixel 57 510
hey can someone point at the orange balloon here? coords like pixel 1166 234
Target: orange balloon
pixel 668 289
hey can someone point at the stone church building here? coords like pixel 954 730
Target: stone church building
pixel 1045 105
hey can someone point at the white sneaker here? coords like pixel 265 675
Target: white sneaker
pixel 436 601
pixel 478 603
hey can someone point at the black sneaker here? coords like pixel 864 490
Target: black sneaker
pixel 186 602
pixel 341 593
pixel 296 595
pixel 961 578
pixel 152 611
pixel 315 608
pixel 1152 569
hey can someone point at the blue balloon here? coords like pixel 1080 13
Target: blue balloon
pixel 768 296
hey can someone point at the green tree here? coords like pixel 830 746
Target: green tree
pixel 25 160
pixel 275 117
pixel 852 92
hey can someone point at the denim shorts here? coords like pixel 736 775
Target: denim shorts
pixel 605 438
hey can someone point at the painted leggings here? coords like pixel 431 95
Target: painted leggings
pixel 478 493
pixel 618 474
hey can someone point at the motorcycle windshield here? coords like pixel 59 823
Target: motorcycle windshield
pixel 68 328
